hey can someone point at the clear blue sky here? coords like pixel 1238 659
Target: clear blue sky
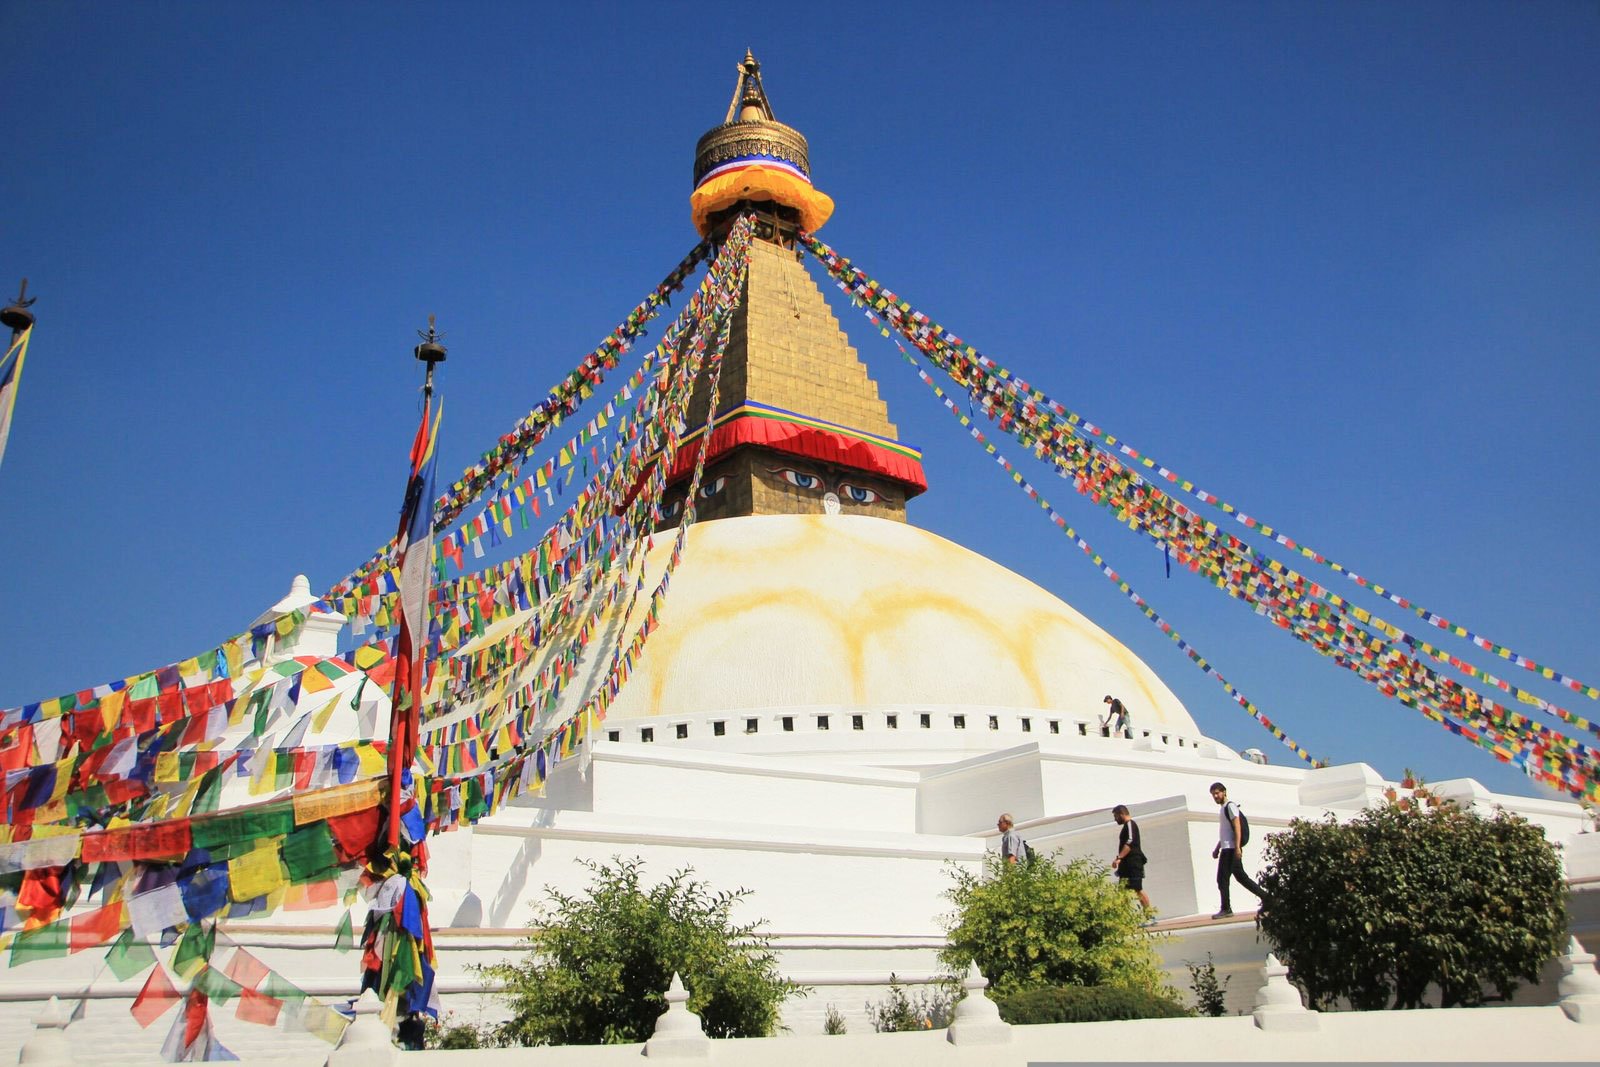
pixel 1336 262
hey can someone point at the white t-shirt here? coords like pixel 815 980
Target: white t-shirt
pixel 1229 810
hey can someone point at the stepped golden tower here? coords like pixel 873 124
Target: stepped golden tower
pixel 800 428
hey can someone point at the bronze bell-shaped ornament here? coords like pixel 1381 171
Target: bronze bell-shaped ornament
pixel 15 316
pixel 430 351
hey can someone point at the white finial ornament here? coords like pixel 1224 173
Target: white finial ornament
pixel 1278 1005
pixel 47 1046
pixel 1579 985
pixel 678 1031
pixel 977 1018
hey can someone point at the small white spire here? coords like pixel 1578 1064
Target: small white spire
pixel 977 1018
pixel 1278 1004
pixel 679 1034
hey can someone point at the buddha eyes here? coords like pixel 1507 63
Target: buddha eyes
pixel 857 494
pixel 670 511
pixel 713 487
pixel 800 480
pixel 849 492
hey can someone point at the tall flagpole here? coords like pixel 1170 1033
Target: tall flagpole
pixel 19 319
pixel 416 517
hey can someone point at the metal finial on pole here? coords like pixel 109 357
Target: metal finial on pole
pixel 16 314
pixel 431 352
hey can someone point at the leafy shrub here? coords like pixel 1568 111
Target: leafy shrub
pixel 929 1008
pixel 1087 1004
pixel 1375 909
pixel 447 1033
pixel 598 964
pixel 833 1022
pixel 1210 995
pixel 1039 924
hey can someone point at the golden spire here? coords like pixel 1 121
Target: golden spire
pixel 749 96
pixel 752 158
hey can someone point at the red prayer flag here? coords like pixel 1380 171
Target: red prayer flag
pixel 246 970
pixel 95 928
pixel 258 1008
pixel 41 894
pixel 194 1022
pixel 354 834
pixel 312 896
pixel 155 998
pixel 152 841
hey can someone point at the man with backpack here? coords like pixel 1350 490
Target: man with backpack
pixel 1012 848
pixel 1234 834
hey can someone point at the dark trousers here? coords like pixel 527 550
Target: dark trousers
pixel 1229 867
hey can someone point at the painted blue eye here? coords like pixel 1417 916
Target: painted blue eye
pixel 858 494
pixel 669 510
pixel 798 479
pixel 713 487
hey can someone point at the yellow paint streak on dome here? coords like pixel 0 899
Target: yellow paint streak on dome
pixel 819 610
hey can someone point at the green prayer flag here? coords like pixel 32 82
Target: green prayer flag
pixel 41 943
pixel 344 938
pixel 129 955
pixel 208 795
pixel 278 987
pixel 400 969
pixel 216 985
pixel 269 820
pixel 194 948
pixel 308 852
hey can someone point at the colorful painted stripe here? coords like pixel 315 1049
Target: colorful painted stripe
pixel 753 161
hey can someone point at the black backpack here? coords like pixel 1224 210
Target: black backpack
pixel 1244 829
pixel 1029 854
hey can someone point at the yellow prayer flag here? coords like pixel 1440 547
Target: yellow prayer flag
pixel 111 707
pixel 323 1021
pixel 369 656
pixel 370 761
pixel 257 872
pixel 167 769
pixel 314 681
pixel 358 796
pixel 319 719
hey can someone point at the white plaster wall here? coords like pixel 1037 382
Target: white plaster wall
pixel 967 797
pixel 641 779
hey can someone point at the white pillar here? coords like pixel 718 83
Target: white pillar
pixel 1278 1004
pixel 977 1019
pixel 679 1034
pixel 47 1046
pixel 1579 985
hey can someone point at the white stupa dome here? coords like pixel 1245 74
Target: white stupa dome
pixel 852 611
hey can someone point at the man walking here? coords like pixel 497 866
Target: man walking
pixel 1230 843
pixel 1129 861
pixel 1012 850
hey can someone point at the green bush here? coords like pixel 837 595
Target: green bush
pixel 1039 924
pixel 447 1034
pixel 1087 1004
pixel 1376 909
pixel 1210 995
pixel 598 964
pixel 928 1009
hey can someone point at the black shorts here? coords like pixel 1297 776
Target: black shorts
pixel 1133 882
